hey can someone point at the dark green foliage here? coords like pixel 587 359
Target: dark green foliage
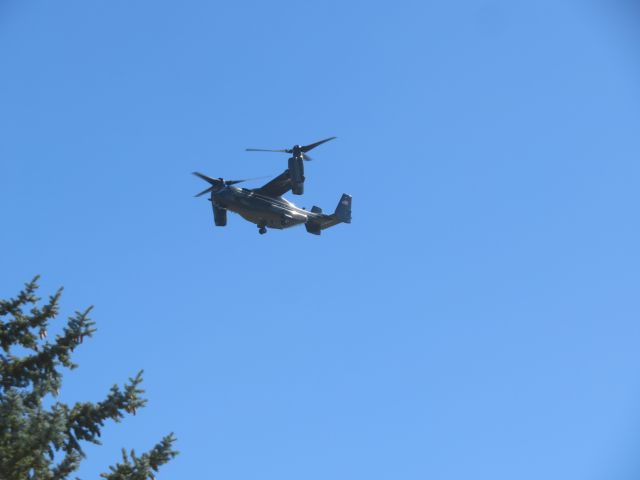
pixel 139 468
pixel 45 443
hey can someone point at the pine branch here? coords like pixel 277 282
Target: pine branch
pixel 68 465
pixel 143 467
pixel 87 419
pixel 17 331
pixel 41 370
pixel 26 296
pixel 41 444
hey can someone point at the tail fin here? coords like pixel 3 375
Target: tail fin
pixel 342 214
pixel 343 210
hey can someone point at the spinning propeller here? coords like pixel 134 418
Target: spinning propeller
pixel 297 151
pixel 218 183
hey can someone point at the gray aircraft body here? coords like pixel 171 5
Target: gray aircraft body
pixel 266 207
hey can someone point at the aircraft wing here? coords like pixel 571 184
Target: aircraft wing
pixel 276 187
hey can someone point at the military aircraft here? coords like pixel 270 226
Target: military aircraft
pixel 296 166
pixel 266 207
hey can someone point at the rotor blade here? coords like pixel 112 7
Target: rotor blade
pixel 306 157
pixel 212 181
pixel 306 148
pixel 265 150
pixel 204 191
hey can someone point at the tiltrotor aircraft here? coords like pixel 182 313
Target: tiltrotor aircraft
pixel 266 207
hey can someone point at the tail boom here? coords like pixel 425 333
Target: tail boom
pixel 320 222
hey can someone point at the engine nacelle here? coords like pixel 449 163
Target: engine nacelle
pixel 219 216
pixel 296 172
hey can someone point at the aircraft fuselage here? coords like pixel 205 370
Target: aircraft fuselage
pixel 264 211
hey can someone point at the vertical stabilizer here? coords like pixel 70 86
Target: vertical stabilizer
pixel 343 210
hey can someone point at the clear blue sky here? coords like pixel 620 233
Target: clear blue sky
pixel 479 319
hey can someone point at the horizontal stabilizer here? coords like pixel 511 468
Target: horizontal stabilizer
pixel 316 224
pixel 313 227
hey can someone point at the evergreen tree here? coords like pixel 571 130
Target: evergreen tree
pixel 45 443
